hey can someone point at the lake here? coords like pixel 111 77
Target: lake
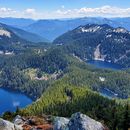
pixel 108 93
pixel 104 65
pixel 9 100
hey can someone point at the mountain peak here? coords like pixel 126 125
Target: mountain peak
pixel 94 28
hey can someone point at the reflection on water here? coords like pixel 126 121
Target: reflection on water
pixel 9 100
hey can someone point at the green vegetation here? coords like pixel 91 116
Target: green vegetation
pixel 63 99
pixel 64 84
pixel 113 45
pixel 21 71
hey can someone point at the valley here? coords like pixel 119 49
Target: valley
pixel 84 70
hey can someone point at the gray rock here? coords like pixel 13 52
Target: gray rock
pixel 18 120
pixel 78 121
pixel 6 125
pixel 60 123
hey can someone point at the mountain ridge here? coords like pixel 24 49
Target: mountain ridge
pixel 98 42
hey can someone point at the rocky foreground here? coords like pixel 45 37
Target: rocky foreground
pixel 78 121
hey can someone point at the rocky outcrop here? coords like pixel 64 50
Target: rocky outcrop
pixel 26 123
pixel 6 125
pixel 60 123
pixel 78 121
pixel 33 123
pixel 18 120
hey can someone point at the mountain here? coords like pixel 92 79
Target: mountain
pixel 24 34
pixel 62 83
pixel 9 40
pixel 50 29
pixel 98 42
pixel 55 28
pixel 122 22
pixel 27 35
pixel 16 22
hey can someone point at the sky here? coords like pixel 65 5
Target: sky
pixel 51 9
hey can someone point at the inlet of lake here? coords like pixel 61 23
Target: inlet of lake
pixel 106 65
pixel 9 100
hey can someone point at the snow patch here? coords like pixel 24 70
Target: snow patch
pixel 102 79
pixel 91 29
pixel 120 30
pixel 108 36
pixel 5 33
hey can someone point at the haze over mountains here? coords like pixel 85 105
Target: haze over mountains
pixel 51 29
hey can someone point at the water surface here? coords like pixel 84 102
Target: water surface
pixel 104 65
pixel 9 100
pixel 108 93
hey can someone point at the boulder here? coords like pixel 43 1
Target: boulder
pixel 6 125
pixel 18 120
pixel 78 121
pixel 60 123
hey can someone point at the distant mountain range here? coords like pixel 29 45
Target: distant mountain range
pixel 50 29
pixel 98 42
pixel 16 22
pixel 32 37
pixel 8 38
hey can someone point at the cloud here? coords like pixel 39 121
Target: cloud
pixel 104 11
pixel 6 11
pixel 30 11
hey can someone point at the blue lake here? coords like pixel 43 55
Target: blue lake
pixel 9 100
pixel 104 65
pixel 108 93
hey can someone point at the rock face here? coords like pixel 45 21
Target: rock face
pixel 77 121
pixel 18 120
pixel 26 123
pixel 6 125
pixel 60 123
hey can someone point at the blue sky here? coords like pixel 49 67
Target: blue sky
pixel 64 8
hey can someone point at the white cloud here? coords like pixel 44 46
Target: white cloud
pixel 5 12
pixel 30 11
pixel 104 11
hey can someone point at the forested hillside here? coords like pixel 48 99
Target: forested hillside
pixel 98 42
pixel 64 98
pixel 58 78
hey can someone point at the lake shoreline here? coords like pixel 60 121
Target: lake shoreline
pixel 105 65
pixel 10 100
pixel 18 91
